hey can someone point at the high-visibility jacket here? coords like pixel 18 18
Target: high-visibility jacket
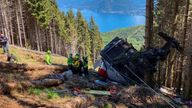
pixel 70 61
pixel 48 59
pixel 76 63
pixel 85 64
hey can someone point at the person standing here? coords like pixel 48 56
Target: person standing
pixel 70 61
pixel 48 59
pixel 4 42
pixel 85 66
pixel 77 65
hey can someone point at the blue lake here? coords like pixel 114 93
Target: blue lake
pixel 108 21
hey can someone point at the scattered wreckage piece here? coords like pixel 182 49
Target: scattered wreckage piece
pixel 53 80
pixel 47 82
pixel 110 91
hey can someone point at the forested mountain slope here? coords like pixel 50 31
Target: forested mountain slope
pixel 39 25
pixel 134 35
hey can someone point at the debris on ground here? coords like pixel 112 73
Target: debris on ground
pixel 36 92
pixel 31 86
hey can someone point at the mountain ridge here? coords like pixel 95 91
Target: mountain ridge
pixel 133 34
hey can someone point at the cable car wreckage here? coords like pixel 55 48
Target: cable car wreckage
pixel 124 64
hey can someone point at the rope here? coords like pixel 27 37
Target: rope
pixel 161 96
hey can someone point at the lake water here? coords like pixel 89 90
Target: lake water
pixel 108 22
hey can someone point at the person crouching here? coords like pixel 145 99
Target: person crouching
pixel 77 65
pixel 12 58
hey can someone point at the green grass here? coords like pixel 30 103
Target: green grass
pixel 49 92
pixel 134 35
pixel 35 91
pixel 28 57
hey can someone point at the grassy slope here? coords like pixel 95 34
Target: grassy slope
pixel 133 34
pixel 31 57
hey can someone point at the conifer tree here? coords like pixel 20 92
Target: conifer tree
pixel 41 10
pixel 80 32
pixel 72 31
pixel 40 25
pixel 83 35
pixel 96 41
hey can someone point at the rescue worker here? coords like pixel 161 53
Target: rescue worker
pixel 85 66
pixel 70 61
pixel 4 42
pixel 12 58
pixel 77 65
pixel 48 59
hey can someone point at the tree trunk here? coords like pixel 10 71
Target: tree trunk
pixel 149 23
pixel 187 70
pixel 19 29
pixel 37 36
pixel 22 21
pixel 149 35
pixel 183 42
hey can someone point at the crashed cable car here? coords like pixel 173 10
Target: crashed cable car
pixel 124 64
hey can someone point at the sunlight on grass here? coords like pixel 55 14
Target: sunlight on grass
pixel 28 57
pixel 50 94
pixel 35 91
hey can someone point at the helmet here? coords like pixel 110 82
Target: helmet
pixel 49 52
pixel 77 56
pixel 85 58
pixel 70 55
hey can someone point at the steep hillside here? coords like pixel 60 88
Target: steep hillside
pixel 40 25
pixel 31 57
pixel 134 35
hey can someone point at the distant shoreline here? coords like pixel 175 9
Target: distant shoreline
pixel 109 22
pixel 108 15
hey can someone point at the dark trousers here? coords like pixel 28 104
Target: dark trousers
pixel 5 47
pixel 85 71
pixel 77 71
pixel 70 67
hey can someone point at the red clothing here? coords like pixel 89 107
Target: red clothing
pixel 102 73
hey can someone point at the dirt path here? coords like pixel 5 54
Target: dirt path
pixel 6 102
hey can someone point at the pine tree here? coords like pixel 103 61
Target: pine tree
pixel 80 32
pixel 96 41
pixel 87 40
pixel 72 31
pixel 40 25
pixel 83 35
pixel 41 10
